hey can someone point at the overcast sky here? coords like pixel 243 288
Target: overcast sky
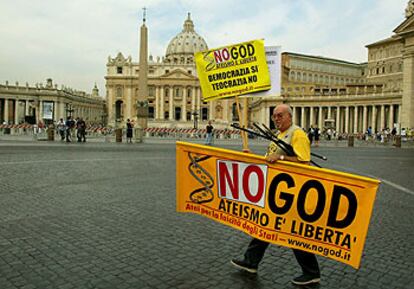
pixel 70 40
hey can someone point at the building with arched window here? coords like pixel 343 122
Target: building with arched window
pixel 324 92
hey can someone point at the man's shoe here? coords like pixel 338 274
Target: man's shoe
pixel 306 279
pixel 243 265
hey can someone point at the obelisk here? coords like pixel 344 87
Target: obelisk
pixel 142 100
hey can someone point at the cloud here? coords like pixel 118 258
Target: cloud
pixel 70 41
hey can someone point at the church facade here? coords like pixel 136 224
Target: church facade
pixel 348 97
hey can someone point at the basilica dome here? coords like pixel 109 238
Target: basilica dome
pixel 182 47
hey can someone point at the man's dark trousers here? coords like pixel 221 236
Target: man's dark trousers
pixel 306 260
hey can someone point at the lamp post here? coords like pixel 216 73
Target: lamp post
pixel 195 117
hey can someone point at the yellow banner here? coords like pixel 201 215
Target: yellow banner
pixel 316 210
pixel 233 70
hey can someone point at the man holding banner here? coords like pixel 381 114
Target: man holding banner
pixel 293 135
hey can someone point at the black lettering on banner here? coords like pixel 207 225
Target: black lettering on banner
pixel 246 212
pixel 320 205
pixel 288 198
pixel 333 212
pixel 242 51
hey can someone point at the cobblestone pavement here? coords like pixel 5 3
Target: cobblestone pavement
pixel 102 215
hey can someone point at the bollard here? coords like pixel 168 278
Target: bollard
pixel 138 134
pixel 50 134
pixel 351 141
pixel 118 135
pixel 397 141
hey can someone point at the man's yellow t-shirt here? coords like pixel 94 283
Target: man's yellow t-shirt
pixel 300 143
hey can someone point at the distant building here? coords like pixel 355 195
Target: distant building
pixel 348 97
pixel 47 103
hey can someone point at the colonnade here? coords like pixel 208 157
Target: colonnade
pixel 348 119
pixel 164 93
pixel 14 111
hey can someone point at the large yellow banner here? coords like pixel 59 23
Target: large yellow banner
pixel 317 210
pixel 233 70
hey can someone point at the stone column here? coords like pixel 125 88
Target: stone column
pixel 399 115
pixel 6 110
pixel 391 117
pixel 293 114
pixel 329 112
pixel 355 119
pixel 346 119
pixel 41 111
pixel 364 119
pixel 320 111
pixel 382 117
pixel 199 101
pixel 171 104
pixel 184 106
pixel 211 110
pixel 16 111
pixel 55 111
pixel 311 122
pixel 193 101
pixel 302 117
pixel 406 110
pixel 26 107
pixel 338 113
pixel 374 119
pixel 162 101
pixel 110 107
pixel 157 103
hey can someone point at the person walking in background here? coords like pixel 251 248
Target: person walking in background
pixel 295 136
pixel 81 127
pixel 61 128
pixel 311 134
pixel 129 131
pixel 317 134
pixel 209 136
pixel 69 124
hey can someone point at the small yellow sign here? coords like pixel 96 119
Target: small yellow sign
pixel 316 210
pixel 233 70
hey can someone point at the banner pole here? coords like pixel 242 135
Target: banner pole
pixel 243 122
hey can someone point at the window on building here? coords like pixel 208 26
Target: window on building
pixel 204 113
pixel 151 112
pixel 166 115
pixel 118 110
pixel 189 92
pixel 188 115
pixel 167 71
pixel 177 115
pixel 167 92
pixel 189 72
pixel 177 92
pixel 119 70
pixel 119 92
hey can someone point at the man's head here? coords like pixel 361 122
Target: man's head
pixel 282 117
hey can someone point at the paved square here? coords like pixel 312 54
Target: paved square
pixel 102 215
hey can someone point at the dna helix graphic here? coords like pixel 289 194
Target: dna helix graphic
pixel 203 194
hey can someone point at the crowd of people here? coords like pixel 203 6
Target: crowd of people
pixel 67 129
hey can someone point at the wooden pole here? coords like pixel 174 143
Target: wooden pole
pixel 243 122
